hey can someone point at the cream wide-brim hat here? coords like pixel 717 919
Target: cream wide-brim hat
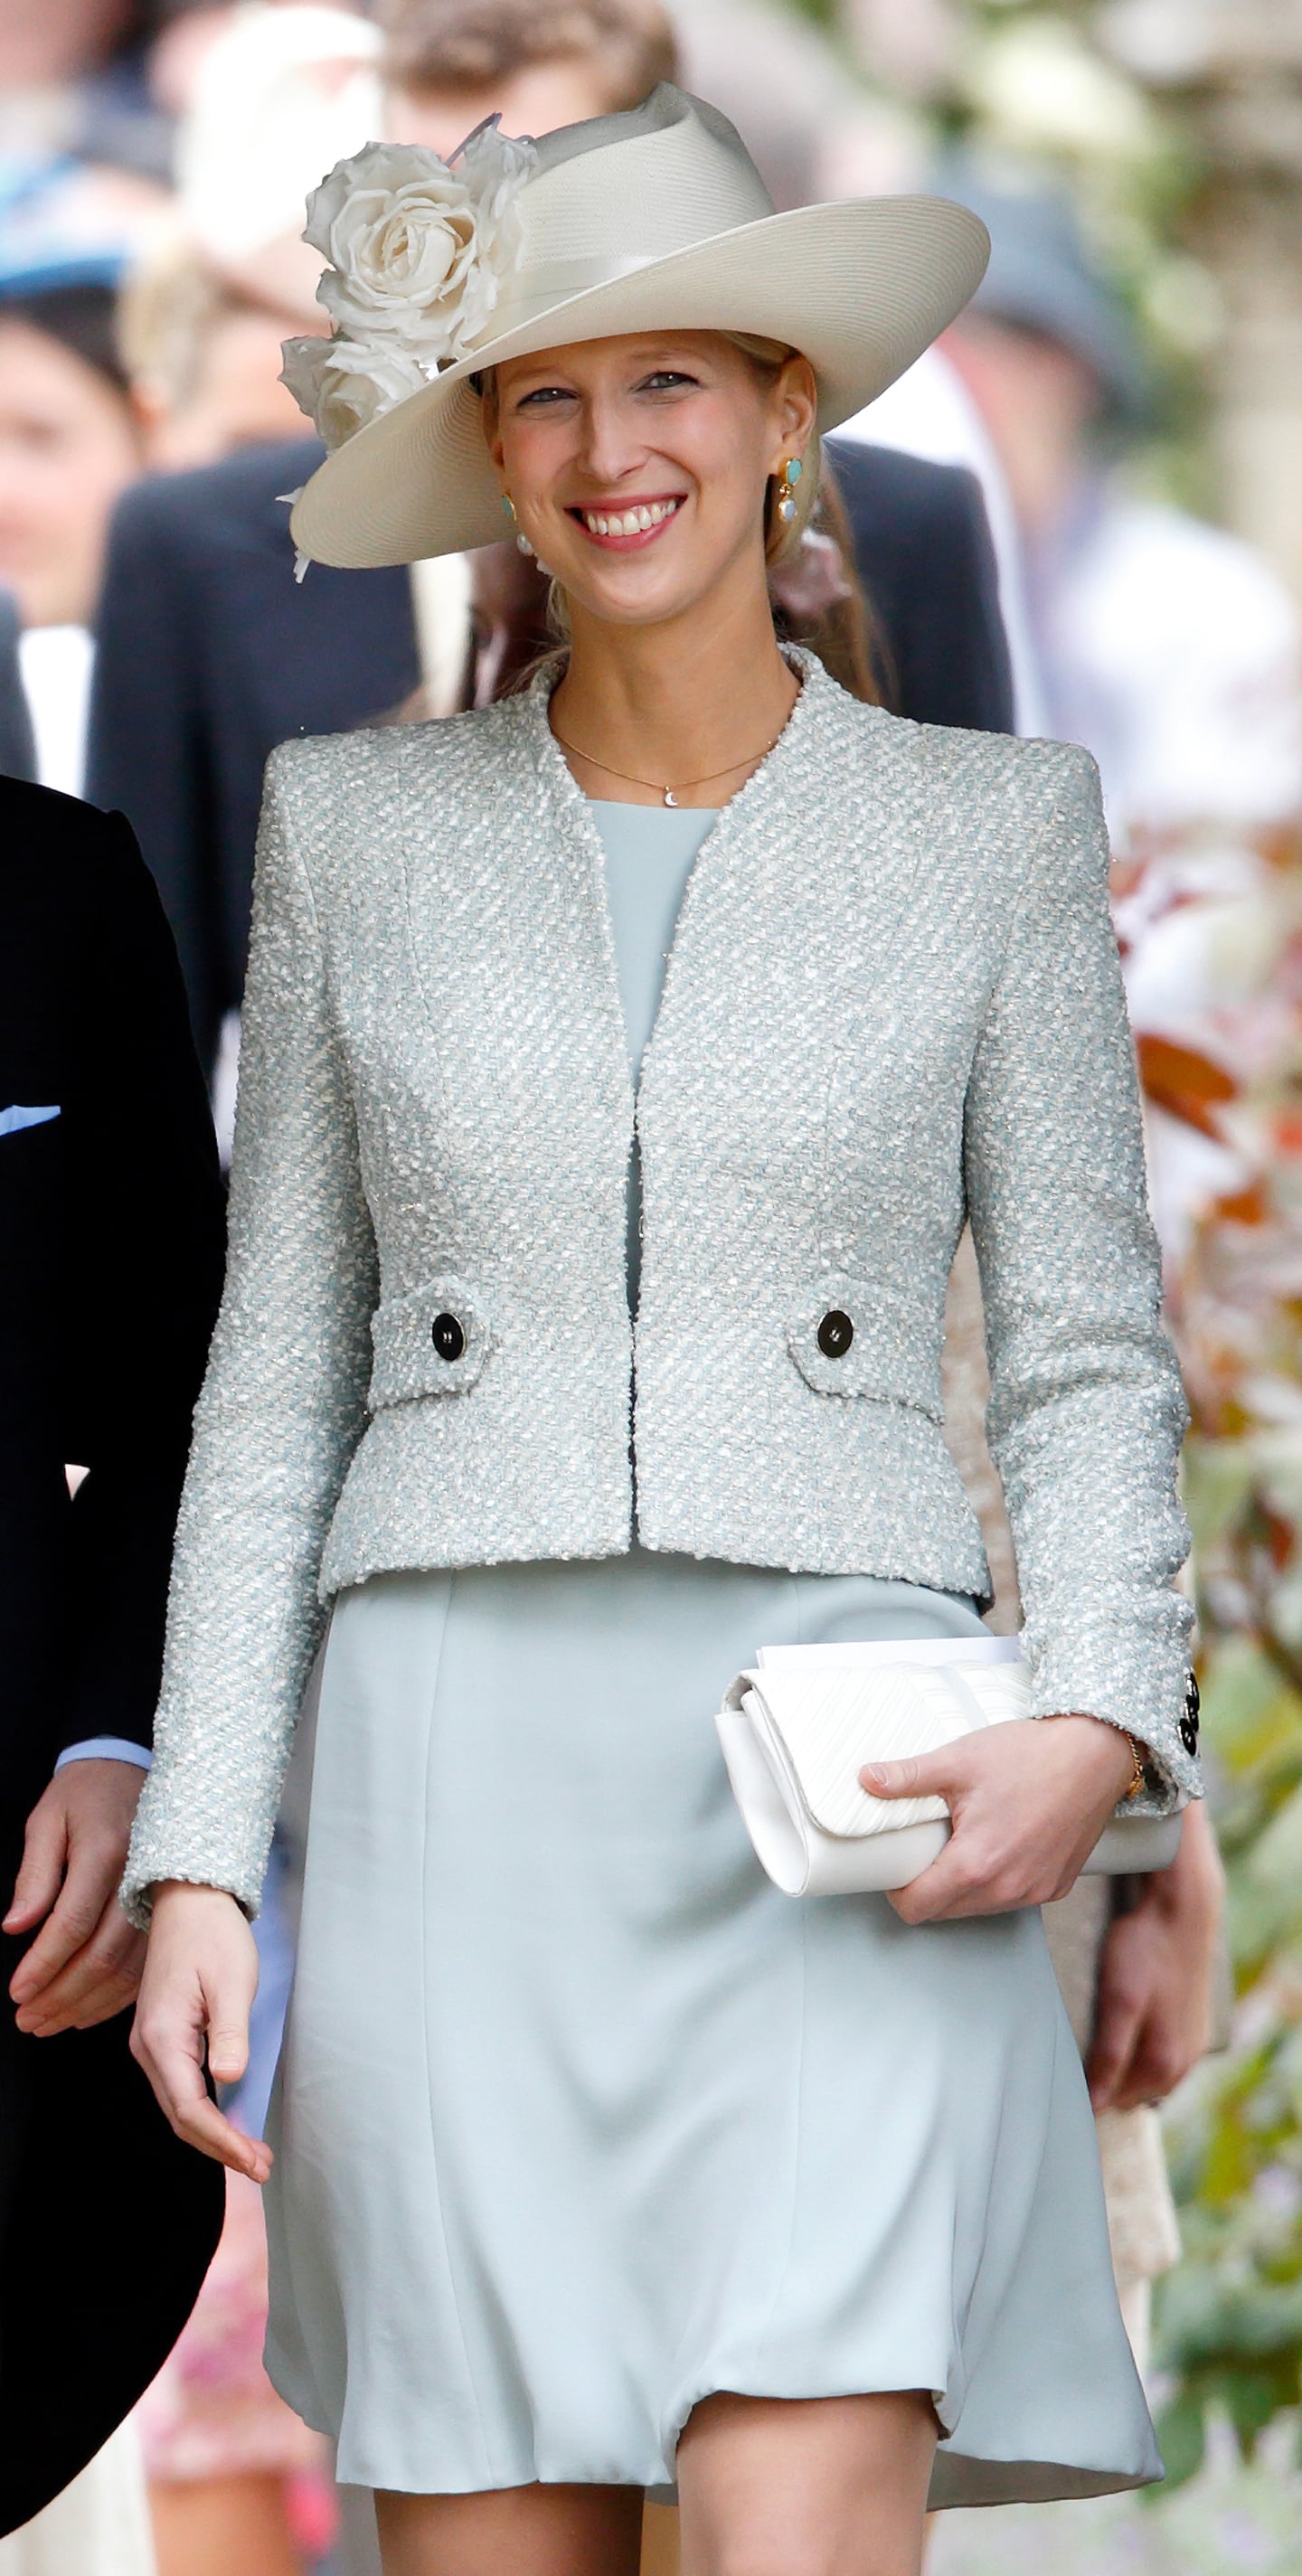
pixel 653 219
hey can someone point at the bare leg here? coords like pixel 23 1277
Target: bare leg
pixel 208 2526
pixel 513 2531
pixel 829 2486
pixel 660 2540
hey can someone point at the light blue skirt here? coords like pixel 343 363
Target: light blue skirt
pixel 579 2120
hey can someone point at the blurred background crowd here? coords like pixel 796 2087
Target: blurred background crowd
pixel 1128 390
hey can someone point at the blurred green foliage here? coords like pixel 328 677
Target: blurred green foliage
pixel 1229 2318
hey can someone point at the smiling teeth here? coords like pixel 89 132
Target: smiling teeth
pixel 599 523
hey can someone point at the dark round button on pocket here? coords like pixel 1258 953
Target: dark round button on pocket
pixel 447 1337
pixel 835 1334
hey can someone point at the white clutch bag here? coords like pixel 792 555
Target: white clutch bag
pixel 796 1732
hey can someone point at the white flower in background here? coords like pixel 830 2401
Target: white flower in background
pixel 344 384
pixel 1038 86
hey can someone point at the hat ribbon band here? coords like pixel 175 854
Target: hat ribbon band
pixel 550 283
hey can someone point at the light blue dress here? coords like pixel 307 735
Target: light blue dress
pixel 579 2120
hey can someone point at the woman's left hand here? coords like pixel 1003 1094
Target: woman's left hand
pixel 1157 1976
pixel 1028 1799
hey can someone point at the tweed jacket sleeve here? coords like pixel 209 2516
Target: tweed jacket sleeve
pixel 1086 1404
pixel 282 1408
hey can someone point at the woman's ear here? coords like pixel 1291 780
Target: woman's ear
pixel 797 405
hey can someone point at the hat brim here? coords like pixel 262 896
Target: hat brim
pixel 861 288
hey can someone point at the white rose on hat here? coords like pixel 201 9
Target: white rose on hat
pixel 397 227
pixel 497 166
pixel 344 384
pixel 416 248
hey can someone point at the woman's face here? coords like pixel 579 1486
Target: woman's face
pixel 67 448
pixel 638 466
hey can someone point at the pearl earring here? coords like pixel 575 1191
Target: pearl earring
pixel 521 540
pixel 792 469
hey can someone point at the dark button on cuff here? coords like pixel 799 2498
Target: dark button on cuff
pixel 835 1334
pixel 1189 1722
pixel 447 1336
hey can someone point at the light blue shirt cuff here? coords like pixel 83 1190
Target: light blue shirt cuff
pixel 107 1748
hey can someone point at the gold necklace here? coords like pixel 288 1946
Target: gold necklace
pixel 670 794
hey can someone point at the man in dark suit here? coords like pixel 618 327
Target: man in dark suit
pixel 210 654
pixel 110 1272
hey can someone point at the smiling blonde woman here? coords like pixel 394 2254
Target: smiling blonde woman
pixel 620 1064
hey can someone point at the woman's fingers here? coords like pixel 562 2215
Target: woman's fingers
pixel 208 2129
pixel 170 2061
pixel 170 2054
pixel 922 1775
pixel 1028 1800
pixel 1123 1998
pixel 955 1882
pixel 200 1979
pixel 1153 2020
pixel 228 2039
pixel 966 1879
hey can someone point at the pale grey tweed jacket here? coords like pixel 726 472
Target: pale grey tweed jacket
pixel 893 996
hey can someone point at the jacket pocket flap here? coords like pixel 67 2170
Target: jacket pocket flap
pixel 432 1341
pixel 851 1340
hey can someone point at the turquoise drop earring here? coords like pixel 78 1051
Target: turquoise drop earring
pixel 792 469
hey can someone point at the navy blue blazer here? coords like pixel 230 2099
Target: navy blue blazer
pixel 210 654
pixel 927 567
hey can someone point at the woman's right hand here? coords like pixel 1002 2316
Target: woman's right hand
pixel 201 1975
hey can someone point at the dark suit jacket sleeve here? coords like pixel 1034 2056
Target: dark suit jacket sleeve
pixel 148 755
pixel 17 750
pixel 927 565
pixel 142 1283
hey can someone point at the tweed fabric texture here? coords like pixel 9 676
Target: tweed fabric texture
pixel 893 998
